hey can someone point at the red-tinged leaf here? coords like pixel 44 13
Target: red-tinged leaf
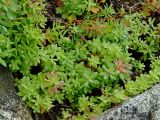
pixel 56 88
pixel 158 11
pixel 121 67
pixel 57 2
pixel 150 1
pixel 83 38
pixel 48 75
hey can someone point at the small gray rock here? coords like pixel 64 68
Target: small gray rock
pixel 145 106
pixel 11 106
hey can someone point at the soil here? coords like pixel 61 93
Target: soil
pixel 51 115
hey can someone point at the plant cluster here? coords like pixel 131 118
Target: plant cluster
pixel 88 65
pixel 68 10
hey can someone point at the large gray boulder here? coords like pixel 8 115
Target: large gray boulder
pixel 11 106
pixel 145 106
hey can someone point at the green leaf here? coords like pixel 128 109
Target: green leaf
pixel 3 62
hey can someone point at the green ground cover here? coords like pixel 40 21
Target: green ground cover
pixel 94 60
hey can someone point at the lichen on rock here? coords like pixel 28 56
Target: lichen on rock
pixel 11 106
pixel 145 106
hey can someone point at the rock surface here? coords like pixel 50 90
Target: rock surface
pixel 145 106
pixel 11 106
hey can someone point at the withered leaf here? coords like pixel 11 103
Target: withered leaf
pixel 95 10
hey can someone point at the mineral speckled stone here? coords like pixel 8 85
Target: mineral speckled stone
pixel 11 106
pixel 145 106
